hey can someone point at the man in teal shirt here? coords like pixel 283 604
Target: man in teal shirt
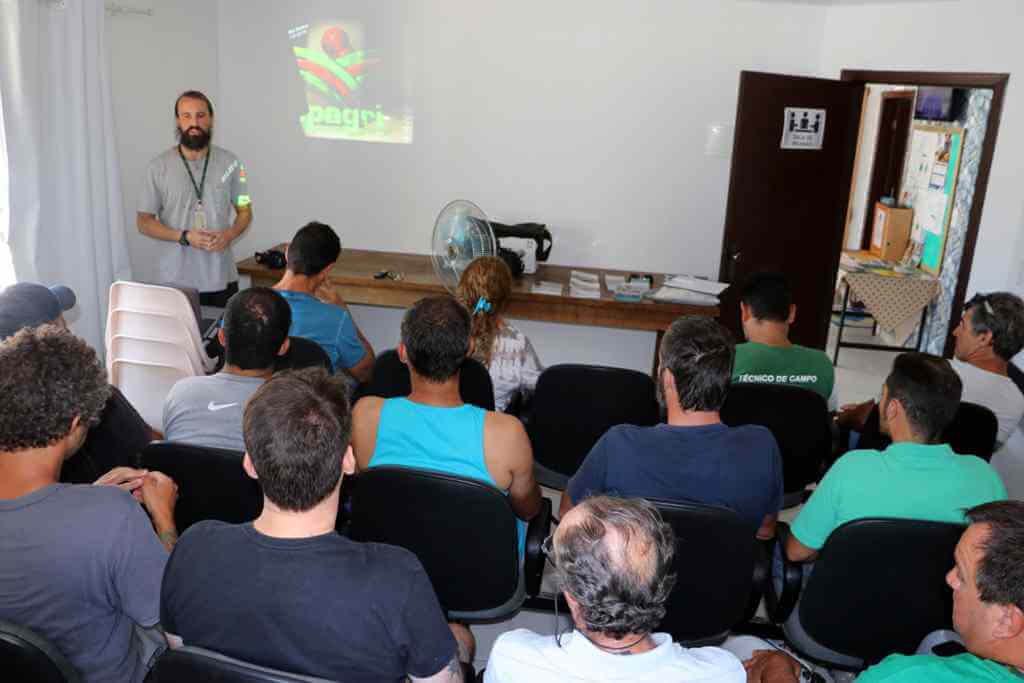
pixel 914 478
pixel 768 357
pixel 988 612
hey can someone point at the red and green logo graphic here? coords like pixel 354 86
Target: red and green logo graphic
pixel 336 69
pixel 350 92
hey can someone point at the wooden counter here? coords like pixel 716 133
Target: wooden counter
pixel 353 276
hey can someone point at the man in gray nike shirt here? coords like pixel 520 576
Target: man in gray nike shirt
pixel 207 411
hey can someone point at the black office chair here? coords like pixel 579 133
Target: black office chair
pixel 27 656
pixel 462 530
pixel 197 665
pixel 391 379
pixel 115 441
pixel 973 431
pixel 211 482
pixel 877 587
pixel 797 418
pixel 303 353
pixel 574 405
pixel 720 570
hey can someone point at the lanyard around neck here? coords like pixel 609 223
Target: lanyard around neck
pixel 206 164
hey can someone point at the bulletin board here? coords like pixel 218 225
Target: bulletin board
pixel 929 187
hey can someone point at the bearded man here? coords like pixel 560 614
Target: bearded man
pixel 195 199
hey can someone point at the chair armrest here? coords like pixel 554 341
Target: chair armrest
pixel 537 530
pixel 838 446
pixel 762 575
pixel 780 604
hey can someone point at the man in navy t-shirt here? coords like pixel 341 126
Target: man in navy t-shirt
pixel 694 457
pixel 286 591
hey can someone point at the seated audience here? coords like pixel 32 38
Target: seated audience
pixel 121 432
pixel 988 612
pixel 505 351
pixel 318 311
pixel 694 457
pixel 613 561
pixel 432 428
pixel 768 357
pixel 917 477
pixel 81 564
pixel 207 411
pixel 990 333
pixel 286 591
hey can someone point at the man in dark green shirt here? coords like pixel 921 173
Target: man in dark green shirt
pixel 768 357
pixel 988 612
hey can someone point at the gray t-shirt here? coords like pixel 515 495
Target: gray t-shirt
pixel 78 565
pixel 168 193
pixel 207 411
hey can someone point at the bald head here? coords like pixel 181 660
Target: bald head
pixel 614 558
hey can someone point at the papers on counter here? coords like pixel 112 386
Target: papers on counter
pixel 545 287
pixel 675 295
pixel 584 285
pixel 686 289
pixel 695 284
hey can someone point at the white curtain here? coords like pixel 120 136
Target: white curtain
pixel 66 220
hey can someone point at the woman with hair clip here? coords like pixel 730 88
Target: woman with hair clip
pixel 505 351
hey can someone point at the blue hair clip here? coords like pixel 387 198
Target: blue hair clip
pixel 482 306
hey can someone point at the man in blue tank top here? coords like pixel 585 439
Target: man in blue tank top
pixel 432 428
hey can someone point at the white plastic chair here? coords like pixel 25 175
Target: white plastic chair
pixel 161 327
pixel 146 386
pixel 157 351
pixel 137 296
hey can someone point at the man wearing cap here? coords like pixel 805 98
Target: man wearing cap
pixel 121 431
pixel 195 199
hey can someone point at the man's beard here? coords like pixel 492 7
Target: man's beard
pixel 195 138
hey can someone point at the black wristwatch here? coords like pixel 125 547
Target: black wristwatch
pixel 183 240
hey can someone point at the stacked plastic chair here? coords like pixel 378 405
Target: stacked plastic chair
pixel 152 341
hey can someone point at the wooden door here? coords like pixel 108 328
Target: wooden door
pixel 786 207
pixel 890 152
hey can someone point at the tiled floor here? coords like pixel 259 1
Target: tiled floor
pixel 859 377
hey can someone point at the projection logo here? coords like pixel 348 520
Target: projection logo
pixel 347 94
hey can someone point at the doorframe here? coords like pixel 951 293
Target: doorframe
pixel 869 209
pixel 996 82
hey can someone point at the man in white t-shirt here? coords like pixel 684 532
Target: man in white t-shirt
pixel 611 553
pixel 990 333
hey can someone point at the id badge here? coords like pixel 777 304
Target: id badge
pixel 199 217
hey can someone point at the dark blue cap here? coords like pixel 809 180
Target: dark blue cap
pixel 27 304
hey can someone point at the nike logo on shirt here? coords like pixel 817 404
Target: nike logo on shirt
pixel 220 406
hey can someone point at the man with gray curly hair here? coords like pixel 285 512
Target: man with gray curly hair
pixel 613 560
pixel 81 564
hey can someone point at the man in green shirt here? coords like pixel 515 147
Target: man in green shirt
pixel 988 612
pixel 768 357
pixel 914 478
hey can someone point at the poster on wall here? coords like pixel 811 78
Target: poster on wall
pixel 929 187
pixel 803 128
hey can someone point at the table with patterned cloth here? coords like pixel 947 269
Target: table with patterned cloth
pixel 897 302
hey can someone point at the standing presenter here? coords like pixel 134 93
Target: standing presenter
pixel 195 199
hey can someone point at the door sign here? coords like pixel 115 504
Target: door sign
pixel 803 128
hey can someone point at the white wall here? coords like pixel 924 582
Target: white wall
pixel 952 35
pixel 154 59
pixel 588 116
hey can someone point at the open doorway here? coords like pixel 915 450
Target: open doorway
pixel 897 114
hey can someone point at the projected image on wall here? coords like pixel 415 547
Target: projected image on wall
pixel 351 91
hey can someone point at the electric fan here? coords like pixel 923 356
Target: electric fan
pixel 461 233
